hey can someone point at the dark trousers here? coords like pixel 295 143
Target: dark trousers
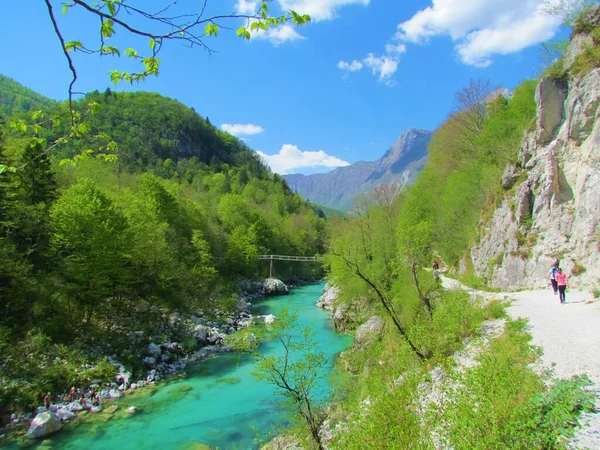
pixel 554 285
pixel 561 293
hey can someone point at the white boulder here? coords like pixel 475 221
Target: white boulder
pixel 114 393
pixel 44 424
pixel 368 331
pixel 269 319
pixel 273 286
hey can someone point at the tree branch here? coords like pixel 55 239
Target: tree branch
pixel 64 48
pixel 384 301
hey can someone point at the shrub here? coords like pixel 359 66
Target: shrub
pixel 557 70
pixel 578 269
pixel 487 408
pixel 495 309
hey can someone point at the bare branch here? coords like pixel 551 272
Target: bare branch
pixel 471 102
pixel 65 51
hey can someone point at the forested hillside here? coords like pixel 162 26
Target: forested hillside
pixel 16 98
pixel 173 223
pixel 152 131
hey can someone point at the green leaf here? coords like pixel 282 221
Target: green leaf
pixel 212 29
pixel 82 128
pixel 36 115
pixel 240 31
pixel 65 162
pixel 152 43
pixel 115 76
pixel 107 29
pixel 131 53
pixel 109 50
pixel 73 45
pixel 94 107
pixel 111 7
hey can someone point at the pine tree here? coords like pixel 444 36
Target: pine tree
pixel 37 182
pixel 14 270
pixel 36 193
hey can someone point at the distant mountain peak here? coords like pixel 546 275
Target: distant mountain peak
pixel 339 188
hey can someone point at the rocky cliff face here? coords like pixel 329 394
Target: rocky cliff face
pixel 552 207
pixel 339 188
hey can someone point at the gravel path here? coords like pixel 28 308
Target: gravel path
pixel 569 335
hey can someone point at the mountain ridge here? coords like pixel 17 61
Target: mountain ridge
pixel 17 98
pixel 339 188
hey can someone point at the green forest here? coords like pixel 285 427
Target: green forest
pixel 145 212
pixel 15 98
pixel 181 214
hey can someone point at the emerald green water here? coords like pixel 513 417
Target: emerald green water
pixel 218 404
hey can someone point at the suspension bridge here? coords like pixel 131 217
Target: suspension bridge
pixel 272 258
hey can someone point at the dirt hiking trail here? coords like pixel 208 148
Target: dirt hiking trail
pixel 569 335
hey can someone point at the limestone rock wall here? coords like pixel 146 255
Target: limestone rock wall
pixel 553 212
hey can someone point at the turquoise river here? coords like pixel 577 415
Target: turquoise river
pixel 218 404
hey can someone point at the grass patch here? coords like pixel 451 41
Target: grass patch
pixel 497 261
pixel 473 281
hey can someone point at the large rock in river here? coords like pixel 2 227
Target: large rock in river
pixel 273 286
pixel 44 424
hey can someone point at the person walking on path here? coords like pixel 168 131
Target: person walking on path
pixel 562 283
pixel 552 275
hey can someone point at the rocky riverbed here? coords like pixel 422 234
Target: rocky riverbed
pixel 176 341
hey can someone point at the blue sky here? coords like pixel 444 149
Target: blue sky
pixel 336 91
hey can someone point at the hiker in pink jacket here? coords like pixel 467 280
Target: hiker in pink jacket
pixel 561 281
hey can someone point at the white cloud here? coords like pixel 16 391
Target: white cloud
pixel 246 7
pixel 279 35
pixel 351 66
pixel 383 66
pixel 482 28
pixel 395 49
pixel 319 9
pixel 242 129
pixel 291 158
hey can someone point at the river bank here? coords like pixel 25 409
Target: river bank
pixel 223 380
